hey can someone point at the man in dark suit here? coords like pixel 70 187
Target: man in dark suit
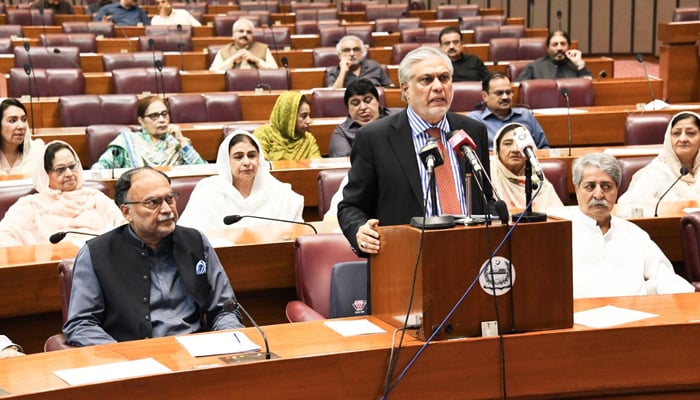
pixel 387 183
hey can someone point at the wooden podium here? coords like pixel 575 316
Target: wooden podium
pixel 540 297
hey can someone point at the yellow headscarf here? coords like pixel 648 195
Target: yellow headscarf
pixel 278 138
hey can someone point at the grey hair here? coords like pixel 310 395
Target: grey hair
pixel 241 21
pixel 339 46
pixel 604 162
pixel 418 55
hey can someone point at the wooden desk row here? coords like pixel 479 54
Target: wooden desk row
pixel 650 358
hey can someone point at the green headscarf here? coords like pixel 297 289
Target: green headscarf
pixel 278 138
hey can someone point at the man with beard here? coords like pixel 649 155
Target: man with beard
pixel 243 52
pixel 468 67
pixel 353 65
pixel 612 256
pixel 560 61
pixel 497 96
pixel 147 278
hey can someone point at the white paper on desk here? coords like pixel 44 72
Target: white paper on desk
pixel 217 343
pixel 689 210
pixel 354 327
pixel 111 371
pixel 607 316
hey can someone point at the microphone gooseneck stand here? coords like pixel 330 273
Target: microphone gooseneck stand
pixel 528 215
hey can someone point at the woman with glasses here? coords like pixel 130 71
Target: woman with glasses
pixel 243 186
pixel 61 202
pixel 679 160
pixel 508 174
pixel 157 143
pixel 18 152
pixel 287 136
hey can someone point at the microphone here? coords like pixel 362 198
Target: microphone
pixel 58 51
pixel 28 71
pixel 181 46
pixel 684 171
pixel 479 106
pixel 651 89
pixel 431 156
pixel 115 152
pixel 602 74
pixel 58 236
pixel 159 67
pixel 232 305
pixel 460 21
pixel 259 88
pixel 523 140
pixel 152 46
pixel 43 21
pixel 463 144
pixel 232 219
pixel 285 64
pixel 565 92
pixel 559 18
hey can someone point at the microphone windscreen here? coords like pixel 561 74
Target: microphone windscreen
pixel 179 28
pixel 558 14
pixel 56 50
pixel 26 46
pixel 684 171
pixel 501 210
pixel 564 91
pixel 57 237
pixel 27 69
pixel 285 62
pixel 151 44
pixel 231 219
pixel 639 58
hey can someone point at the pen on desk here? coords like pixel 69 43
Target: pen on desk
pixel 236 336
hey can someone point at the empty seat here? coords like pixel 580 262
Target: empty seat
pixel 399 50
pixel 143 59
pixel 546 93
pixel 86 42
pixel 299 6
pixel 186 108
pixel 97 109
pixel 646 128
pixel 484 33
pixel 99 28
pixel 30 17
pixel 46 82
pixel 45 57
pixel 421 35
pixel 331 103
pixel 450 11
pixel 6 46
pixel 238 79
pixel 314 27
pixel 556 173
pixel 97 137
pixel 166 42
pixel 507 49
pixel 466 96
pixel 328 182
pixel 8 31
pixel 396 24
pixel 628 166
pixel 690 240
pixel 375 11
pixel 276 38
pixel 316 14
pixel 139 80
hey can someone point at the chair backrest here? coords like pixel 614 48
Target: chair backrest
pixel 204 107
pixel 46 82
pixel 238 79
pixel 580 91
pixel 223 24
pixel 165 42
pixel 157 30
pixel 299 6
pixel 507 49
pixel 466 96
pixel 690 240
pixel 138 80
pixel 8 31
pixel 328 182
pixel 10 194
pixel 330 102
pixel 257 17
pixel 314 27
pixel 330 35
pixel 184 185
pixel 556 173
pixel 686 14
pixel 449 11
pixel 137 59
pixel 105 29
pixel 396 24
pixel 515 68
pixel 93 109
pixel 546 93
pixel 375 11
pixel 271 6
pixel 399 50
pixel 484 33
pixel 97 137
pixel 646 128
pixel 628 166
pixel 350 289
pixel 325 57
pixel 65 283
pixel 314 257
pixel 243 125
pixel 276 38
pixel 316 14
pixel 86 42
pixel 30 17
pixel 48 57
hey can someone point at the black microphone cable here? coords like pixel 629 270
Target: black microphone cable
pixel 234 306
pixel 181 45
pixel 683 172
pixel 28 71
pixel 565 92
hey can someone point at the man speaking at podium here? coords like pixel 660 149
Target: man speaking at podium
pixel 387 183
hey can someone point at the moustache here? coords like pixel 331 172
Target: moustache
pixel 598 203
pixel 166 217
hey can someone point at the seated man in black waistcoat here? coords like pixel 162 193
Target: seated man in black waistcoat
pixel 149 278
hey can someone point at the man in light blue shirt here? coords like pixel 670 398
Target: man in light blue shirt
pixel 126 12
pixel 497 96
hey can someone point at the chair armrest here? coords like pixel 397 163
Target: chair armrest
pixel 298 311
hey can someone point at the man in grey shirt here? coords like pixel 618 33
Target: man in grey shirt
pixel 150 277
pixel 353 65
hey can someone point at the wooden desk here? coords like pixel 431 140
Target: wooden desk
pixel 678 63
pixel 650 358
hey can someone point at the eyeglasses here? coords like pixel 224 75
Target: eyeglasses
pixel 157 202
pixel 351 50
pixel 63 168
pixel 499 93
pixel 155 116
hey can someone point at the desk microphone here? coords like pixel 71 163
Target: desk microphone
pixel 651 89
pixel 602 74
pixel 232 305
pixel 431 156
pixel 262 86
pixel 115 153
pixel 559 18
pixel 58 236
pixel 461 23
pixel 28 71
pixel 58 51
pixel 232 219
pixel 464 145
pixel 285 64
pixel 181 46
pixel 684 171
pixel 523 140
pixel 152 46
pixel 565 92
pixel 159 68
